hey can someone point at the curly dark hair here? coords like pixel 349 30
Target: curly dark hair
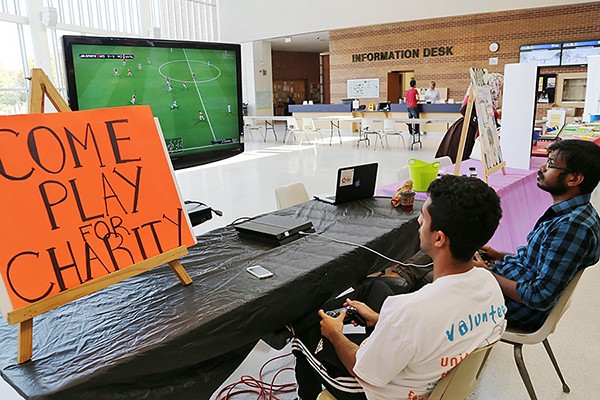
pixel 466 210
pixel 580 156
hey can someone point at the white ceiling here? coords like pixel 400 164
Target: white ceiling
pixel 317 42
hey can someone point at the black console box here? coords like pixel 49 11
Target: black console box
pixel 198 213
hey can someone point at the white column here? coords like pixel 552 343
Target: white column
pixel 257 77
pixel 39 36
pixel 145 13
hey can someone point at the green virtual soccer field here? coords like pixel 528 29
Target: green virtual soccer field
pixel 178 84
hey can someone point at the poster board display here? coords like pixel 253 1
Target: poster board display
pixel 85 194
pixel 45 148
pixel 491 152
pixel 363 88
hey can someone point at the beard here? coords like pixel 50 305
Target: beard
pixel 554 188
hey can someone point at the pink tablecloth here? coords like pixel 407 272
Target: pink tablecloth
pixel 522 201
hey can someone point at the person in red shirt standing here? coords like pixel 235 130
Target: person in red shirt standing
pixel 411 97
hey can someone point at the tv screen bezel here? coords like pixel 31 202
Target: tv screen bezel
pixel 535 47
pixel 577 45
pixel 179 161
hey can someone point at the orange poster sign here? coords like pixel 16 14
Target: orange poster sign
pixel 84 194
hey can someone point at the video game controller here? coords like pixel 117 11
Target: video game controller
pixel 351 315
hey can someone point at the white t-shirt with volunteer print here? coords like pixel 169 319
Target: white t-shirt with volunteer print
pixel 420 336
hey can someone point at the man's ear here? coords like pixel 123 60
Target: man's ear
pixel 440 239
pixel 574 179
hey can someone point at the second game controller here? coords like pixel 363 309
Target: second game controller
pixel 351 315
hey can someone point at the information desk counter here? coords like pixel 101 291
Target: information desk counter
pixel 523 203
pixel 439 111
pixel 150 337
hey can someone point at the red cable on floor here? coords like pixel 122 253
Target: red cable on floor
pixel 264 390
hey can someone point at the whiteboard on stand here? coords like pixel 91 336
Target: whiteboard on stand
pixel 592 95
pixel 518 107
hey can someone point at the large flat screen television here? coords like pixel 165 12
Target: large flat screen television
pixel 576 53
pixel 541 54
pixel 193 88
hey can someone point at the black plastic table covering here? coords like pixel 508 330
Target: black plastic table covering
pixel 151 337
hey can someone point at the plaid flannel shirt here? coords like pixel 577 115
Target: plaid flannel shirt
pixel 565 239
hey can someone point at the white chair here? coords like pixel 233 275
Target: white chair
pixel 458 383
pixel 518 338
pixel 291 128
pixel 366 129
pixel 389 128
pixel 444 161
pixel 250 125
pixel 290 195
pixel 308 126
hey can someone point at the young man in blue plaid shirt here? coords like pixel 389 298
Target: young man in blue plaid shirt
pixel 565 239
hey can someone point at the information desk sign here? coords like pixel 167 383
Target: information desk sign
pixel 88 199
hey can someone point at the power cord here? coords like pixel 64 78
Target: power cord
pixel 319 234
pixel 241 219
pixel 264 390
pixel 214 210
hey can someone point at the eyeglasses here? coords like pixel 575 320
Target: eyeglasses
pixel 550 165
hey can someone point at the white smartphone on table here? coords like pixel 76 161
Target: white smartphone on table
pixel 259 272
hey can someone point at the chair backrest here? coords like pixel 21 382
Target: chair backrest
pixel 366 124
pixel 512 335
pixel 249 122
pixel 325 395
pixel 561 306
pixel 308 124
pixel 444 161
pixel 459 383
pixel 292 123
pixel 389 125
pixel 290 195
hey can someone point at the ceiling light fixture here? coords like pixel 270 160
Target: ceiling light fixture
pixel 288 40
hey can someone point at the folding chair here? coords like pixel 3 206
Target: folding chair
pixel 290 195
pixel 250 125
pixel 291 128
pixel 389 128
pixel 518 338
pixel 308 126
pixel 366 129
pixel 458 383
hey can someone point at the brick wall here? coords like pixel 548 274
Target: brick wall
pixel 469 37
pixel 290 65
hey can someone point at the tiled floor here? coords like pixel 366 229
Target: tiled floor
pixel 244 186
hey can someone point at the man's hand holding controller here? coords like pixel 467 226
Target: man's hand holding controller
pixel 361 314
pixel 351 315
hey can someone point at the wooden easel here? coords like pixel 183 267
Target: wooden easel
pixel 463 138
pixel 41 87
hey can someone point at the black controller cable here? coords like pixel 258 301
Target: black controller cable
pixel 319 234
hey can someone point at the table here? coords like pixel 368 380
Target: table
pixel 521 200
pixel 416 138
pixel 334 121
pixel 269 123
pixel 150 337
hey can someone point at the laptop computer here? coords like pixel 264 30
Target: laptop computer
pixel 353 183
pixel 552 137
pixel 273 229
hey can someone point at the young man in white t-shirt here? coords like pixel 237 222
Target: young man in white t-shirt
pixel 417 337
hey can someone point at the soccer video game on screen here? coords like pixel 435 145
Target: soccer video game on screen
pixel 193 92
